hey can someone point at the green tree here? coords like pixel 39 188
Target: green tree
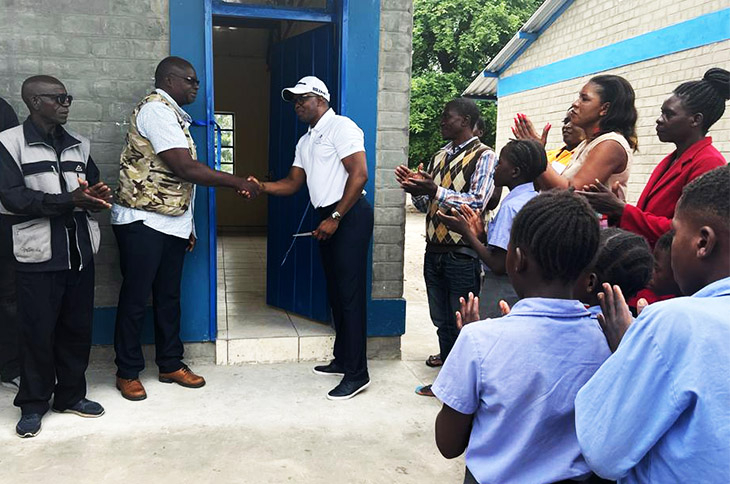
pixel 452 42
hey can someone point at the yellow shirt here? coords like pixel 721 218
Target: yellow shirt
pixel 559 158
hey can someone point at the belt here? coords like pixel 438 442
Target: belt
pixel 459 249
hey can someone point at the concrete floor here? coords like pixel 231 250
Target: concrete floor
pixel 251 423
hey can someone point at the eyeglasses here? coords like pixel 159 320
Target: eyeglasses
pixel 189 79
pixel 303 99
pixel 59 98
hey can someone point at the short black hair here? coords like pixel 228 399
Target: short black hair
pixel 709 194
pixel 464 107
pixel 29 87
pixel 664 242
pixel 528 155
pixel 167 65
pixel 621 116
pixel 706 96
pixel 560 231
pixel 624 259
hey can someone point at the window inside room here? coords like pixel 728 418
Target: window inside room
pixel 226 122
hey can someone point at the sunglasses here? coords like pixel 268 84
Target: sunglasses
pixel 189 79
pixel 303 99
pixel 59 98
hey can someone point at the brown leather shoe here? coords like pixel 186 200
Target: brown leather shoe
pixel 184 377
pixel 131 389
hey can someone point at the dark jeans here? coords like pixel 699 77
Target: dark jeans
pixel 56 311
pixel 345 259
pixel 9 338
pixel 448 276
pixel 150 262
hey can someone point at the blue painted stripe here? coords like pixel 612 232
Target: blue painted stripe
pixel 225 9
pixel 703 30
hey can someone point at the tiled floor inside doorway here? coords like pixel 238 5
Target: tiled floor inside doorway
pixel 249 331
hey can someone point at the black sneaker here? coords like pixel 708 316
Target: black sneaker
pixel 29 425
pixel 348 389
pixel 84 408
pixel 331 369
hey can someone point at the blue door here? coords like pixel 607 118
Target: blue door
pixel 297 285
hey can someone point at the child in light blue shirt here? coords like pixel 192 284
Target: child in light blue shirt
pixel 509 384
pixel 520 163
pixel 658 410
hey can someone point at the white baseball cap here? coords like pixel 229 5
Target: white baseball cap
pixel 306 85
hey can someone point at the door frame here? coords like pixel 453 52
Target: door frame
pixel 358 26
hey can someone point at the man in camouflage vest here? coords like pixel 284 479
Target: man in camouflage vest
pixel 460 173
pixel 152 219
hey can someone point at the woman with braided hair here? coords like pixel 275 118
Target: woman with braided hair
pixel 686 117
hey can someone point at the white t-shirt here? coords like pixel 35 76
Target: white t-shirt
pixel 158 123
pixel 320 152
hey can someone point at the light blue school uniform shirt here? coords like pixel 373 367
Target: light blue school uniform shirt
pixel 658 410
pixel 518 375
pixel 499 228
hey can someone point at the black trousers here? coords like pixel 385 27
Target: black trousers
pixel 55 312
pixel 345 259
pixel 9 338
pixel 150 262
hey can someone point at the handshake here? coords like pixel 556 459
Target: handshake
pixel 250 188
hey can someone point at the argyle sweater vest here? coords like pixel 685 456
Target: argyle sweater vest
pixel 452 172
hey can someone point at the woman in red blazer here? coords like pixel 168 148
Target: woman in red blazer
pixel 685 118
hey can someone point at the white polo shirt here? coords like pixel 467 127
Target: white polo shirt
pixel 158 123
pixel 320 152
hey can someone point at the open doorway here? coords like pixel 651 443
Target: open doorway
pixel 242 61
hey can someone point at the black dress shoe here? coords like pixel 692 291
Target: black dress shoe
pixel 331 369
pixel 348 389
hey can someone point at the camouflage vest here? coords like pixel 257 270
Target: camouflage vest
pixel 145 181
pixel 452 173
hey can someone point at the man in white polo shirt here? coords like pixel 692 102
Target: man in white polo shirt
pixel 330 156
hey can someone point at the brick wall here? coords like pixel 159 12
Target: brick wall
pixel 394 77
pixel 589 24
pixel 105 52
pixel 653 80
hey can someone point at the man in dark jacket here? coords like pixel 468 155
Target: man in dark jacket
pixel 48 183
pixel 9 364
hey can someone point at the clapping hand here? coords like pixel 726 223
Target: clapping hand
pixel 603 200
pixel 469 311
pixel 416 183
pixel 96 197
pixel 403 173
pixel 99 190
pixel 463 221
pixel 524 129
pixel 616 316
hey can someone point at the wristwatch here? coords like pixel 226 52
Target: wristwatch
pixel 336 215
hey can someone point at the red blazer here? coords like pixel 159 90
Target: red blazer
pixel 652 215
